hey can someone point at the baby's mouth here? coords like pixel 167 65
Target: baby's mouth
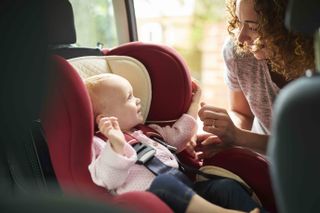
pixel 139 110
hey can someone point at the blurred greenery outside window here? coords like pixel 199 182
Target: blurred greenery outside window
pixel 95 23
pixel 197 30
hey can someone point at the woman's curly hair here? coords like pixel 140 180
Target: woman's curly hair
pixel 291 53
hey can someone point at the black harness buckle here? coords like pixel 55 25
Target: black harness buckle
pixel 144 152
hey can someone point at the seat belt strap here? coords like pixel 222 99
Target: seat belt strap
pixel 153 164
pixel 145 155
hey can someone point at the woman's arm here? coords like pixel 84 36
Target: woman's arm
pixel 242 117
pixel 240 111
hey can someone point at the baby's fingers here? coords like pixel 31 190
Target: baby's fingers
pixel 115 123
pixel 190 150
pixel 105 127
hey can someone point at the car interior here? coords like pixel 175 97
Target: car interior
pixel 49 152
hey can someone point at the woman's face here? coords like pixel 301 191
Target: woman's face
pixel 247 28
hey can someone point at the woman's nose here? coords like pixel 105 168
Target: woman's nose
pixel 243 35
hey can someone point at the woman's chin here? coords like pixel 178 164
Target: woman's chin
pixel 259 56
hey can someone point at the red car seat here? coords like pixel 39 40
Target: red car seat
pixel 68 125
pixel 171 95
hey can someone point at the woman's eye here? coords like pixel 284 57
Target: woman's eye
pixel 253 29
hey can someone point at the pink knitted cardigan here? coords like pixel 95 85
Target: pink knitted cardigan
pixel 119 173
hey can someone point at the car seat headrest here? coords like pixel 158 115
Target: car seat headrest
pixel 306 20
pixel 127 67
pixel 60 22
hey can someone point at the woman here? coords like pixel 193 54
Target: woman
pixel 261 57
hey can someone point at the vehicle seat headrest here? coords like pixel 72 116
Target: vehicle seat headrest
pixel 60 22
pixel 306 20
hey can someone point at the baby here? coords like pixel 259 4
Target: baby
pixel 117 110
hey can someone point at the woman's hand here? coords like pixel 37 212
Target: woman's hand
pixel 218 122
pixel 109 127
pixel 208 145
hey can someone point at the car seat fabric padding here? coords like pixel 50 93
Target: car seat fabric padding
pixel 252 167
pixel 127 67
pixel 68 124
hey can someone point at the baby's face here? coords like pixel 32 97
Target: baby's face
pixel 121 102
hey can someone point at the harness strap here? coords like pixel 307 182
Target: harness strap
pixel 146 156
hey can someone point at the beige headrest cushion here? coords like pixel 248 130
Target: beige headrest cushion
pixel 127 67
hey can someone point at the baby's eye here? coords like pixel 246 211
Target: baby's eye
pixel 130 97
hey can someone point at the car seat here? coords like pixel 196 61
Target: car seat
pixel 170 82
pixel 68 125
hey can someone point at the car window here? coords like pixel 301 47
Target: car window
pixel 95 23
pixel 197 30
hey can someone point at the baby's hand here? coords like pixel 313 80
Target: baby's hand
pixel 196 95
pixel 196 92
pixel 190 146
pixel 109 127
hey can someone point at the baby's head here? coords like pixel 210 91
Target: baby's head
pixel 112 95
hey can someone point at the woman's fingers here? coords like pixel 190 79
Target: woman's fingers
pixel 211 140
pixel 201 137
pixel 206 108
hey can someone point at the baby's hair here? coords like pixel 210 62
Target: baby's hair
pixel 95 79
pixel 92 84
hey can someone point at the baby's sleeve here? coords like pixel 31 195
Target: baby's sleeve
pixel 180 133
pixel 110 169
